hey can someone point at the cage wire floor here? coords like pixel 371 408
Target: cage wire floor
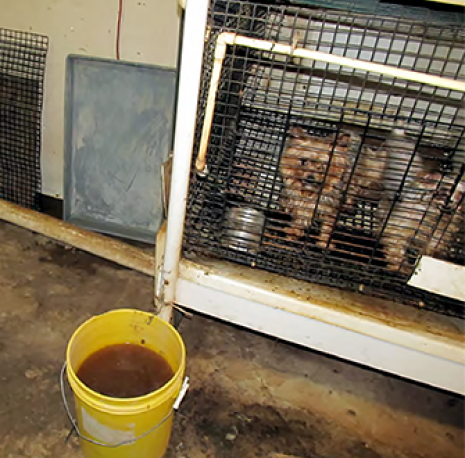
pixel 251 396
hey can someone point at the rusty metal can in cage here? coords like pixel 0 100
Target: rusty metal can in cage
pixel 243 228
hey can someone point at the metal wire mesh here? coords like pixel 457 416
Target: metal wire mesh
pixel 406 9
pixel 22 68
pixel 327 173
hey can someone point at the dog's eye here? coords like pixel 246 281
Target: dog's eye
pixel 303 162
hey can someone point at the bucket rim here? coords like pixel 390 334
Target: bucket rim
pixel 138 403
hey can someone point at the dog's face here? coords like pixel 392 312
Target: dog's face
pixel 314 161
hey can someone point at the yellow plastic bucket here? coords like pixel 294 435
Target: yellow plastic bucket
pixel 131 427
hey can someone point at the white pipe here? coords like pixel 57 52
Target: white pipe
pixel 220 53
pixel 189 85
pixel 228 38
pixel 99 245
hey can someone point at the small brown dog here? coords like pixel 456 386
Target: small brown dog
pixel 415 221
pixel 314 172
pixel 449 234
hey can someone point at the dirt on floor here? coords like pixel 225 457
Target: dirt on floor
pixel 250 396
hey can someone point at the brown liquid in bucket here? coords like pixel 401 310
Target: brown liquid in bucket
pixel 125 371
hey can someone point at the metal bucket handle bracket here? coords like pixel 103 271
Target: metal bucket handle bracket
pixel 75 427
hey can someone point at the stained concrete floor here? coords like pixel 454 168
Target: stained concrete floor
pixel 251 396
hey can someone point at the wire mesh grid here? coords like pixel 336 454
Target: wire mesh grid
pixel 326 173
pixel 406 9
pixel 22 69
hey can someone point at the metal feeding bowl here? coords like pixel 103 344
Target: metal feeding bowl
pixel 243 228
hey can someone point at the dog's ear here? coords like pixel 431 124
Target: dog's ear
pixel 297 132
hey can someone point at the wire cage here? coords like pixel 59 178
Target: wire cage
pixel 22 69
pixel 325 172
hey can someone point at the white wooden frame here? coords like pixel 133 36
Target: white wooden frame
pixel 393 340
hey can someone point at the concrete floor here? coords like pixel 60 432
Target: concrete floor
pixel 251 396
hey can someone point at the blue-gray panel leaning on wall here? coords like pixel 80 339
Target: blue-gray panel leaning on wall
pixel 119 123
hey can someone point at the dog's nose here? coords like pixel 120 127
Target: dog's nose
pixel 310 179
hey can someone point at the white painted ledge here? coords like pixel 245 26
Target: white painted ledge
pixel 402 340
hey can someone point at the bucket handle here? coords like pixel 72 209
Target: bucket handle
pixel 73 421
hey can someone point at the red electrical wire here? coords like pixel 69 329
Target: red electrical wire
pixel 118 27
